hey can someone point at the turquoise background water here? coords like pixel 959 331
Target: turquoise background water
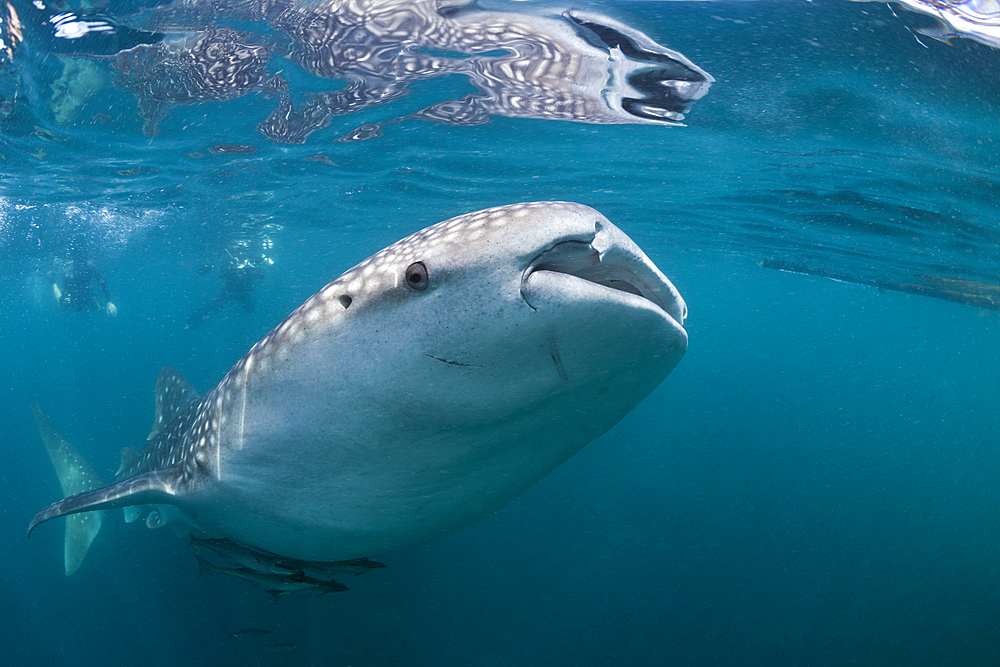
pixel 816 483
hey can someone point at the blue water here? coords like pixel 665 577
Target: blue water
pixel 816 483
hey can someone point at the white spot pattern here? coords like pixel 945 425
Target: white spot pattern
pixel 188 429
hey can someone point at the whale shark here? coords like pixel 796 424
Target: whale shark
pixel 420 391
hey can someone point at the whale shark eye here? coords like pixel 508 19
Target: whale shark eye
pixel 416 276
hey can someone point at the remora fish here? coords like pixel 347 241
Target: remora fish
pixel 422 390
pixel 271 564
pixel 275 585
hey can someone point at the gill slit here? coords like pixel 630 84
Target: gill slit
pixel 557 360
pixel 218 442
pixel 243 403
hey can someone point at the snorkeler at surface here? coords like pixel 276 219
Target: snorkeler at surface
pixel 238 281
pixel 77 285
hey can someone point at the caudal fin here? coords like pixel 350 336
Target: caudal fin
pixel 75 476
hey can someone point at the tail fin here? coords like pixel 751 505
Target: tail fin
pixel 75 476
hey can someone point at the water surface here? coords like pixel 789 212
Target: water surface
pixel 816 483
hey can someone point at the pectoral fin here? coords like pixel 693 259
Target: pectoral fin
pixel 151 488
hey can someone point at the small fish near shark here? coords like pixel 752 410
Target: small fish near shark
pixel 275 585
pixel 420 391
pixel 275 575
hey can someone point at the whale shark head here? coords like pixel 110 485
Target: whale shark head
pixel 421 390
pixel 489 292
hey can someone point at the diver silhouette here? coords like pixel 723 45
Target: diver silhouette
pixel 238 281
pixel 77 289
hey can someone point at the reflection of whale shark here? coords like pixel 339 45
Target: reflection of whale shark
pixel 420 391
pixel 576 66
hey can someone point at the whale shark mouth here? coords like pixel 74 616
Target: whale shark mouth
pixel 623 268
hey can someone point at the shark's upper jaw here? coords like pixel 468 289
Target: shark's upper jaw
pixel 611 260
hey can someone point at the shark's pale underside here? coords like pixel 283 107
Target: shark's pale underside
pixel 420 391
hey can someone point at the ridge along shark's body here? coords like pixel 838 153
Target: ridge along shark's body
pixel 420 391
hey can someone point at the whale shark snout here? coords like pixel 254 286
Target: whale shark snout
pixel 610 259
